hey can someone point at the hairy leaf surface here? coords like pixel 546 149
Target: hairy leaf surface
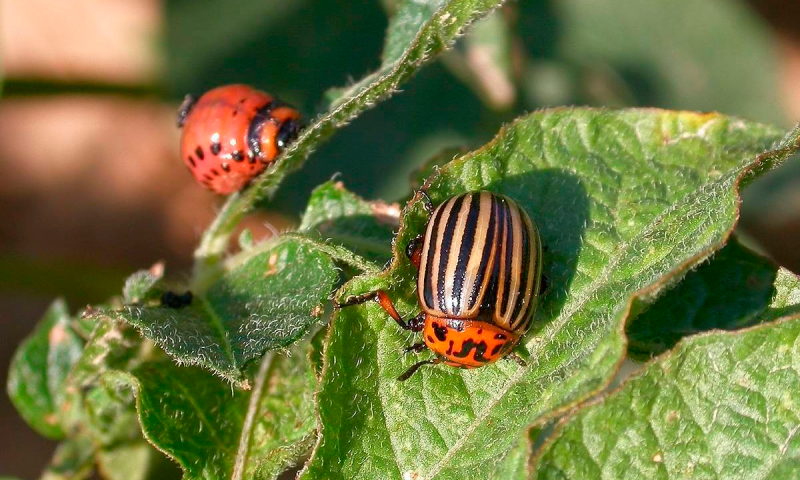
pixel 39 368
pixel 268 298
pixel 728 292
pixel 626 202
pixel 338 216
pixel 720 405
pixel 214 431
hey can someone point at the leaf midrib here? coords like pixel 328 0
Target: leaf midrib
pixel 219 326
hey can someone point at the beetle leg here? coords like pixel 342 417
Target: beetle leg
pixel 414 250
pixel 416 366
pixel 517 358
pixel 416 324
pixel 416 348
pixel 428 204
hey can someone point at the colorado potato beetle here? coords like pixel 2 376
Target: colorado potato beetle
pixel 231 133
pixel 479 272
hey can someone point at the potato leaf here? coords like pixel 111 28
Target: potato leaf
pixel 626 203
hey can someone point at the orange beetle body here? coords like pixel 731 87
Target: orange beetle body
pixel 467 343
pixel 480 266
pixel 231 133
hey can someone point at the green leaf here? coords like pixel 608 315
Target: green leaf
pixel 340 217
pixel 72 460
pixel 121 452
pixel 37 373
pixel 728 292
pixel 106 416
pixel 514 465
pixel 404 26
pixel 141 283
pixel 625 201
pixel 720 405
pixel 214 431
pixel 430 31
pixel 246 241
pixel 786 300
pixel 135 461
pixel 433 164
pixel 268 298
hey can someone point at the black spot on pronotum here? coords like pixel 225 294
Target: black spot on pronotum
pixel 173 300
pixel 185 108
pixel 238 155
pixel 215 148
pixel 226 167
pixel 199 152
pixel 440 332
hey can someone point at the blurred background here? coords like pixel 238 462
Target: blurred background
pixel 92 187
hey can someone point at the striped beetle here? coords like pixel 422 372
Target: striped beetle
pixel 480 266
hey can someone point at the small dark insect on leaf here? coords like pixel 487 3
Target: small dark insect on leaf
pixel 173 300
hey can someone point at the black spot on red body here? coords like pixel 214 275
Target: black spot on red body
pixel 215 172
pixel 191 160
pixel 226 167
pixel 199 152
pixel 440 332
pixel 480 330
pixel 207 177
pixel 468 345
pixel 496 349
pixel 238 155
pixel 450 348
pixel 215 148
pixel 430 339
pixel 500 336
